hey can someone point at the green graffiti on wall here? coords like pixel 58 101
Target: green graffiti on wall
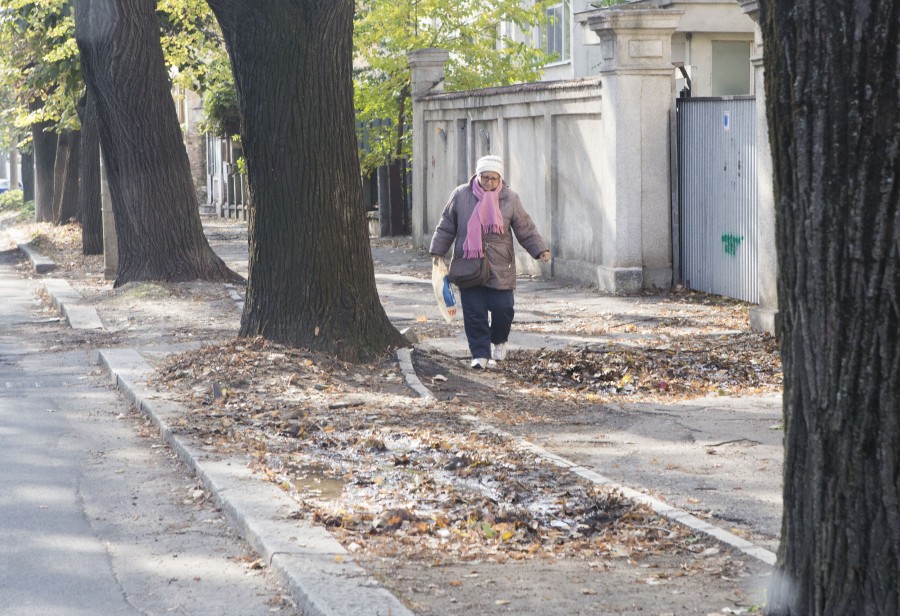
pixel 731 242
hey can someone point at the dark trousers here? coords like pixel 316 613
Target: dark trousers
pixel 477 302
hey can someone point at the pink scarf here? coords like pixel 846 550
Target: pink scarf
pixel 486 218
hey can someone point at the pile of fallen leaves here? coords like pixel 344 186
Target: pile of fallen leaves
pixel 54 240
pixel 394 474
pixel 735 364
pixel 63 245
pixel 466 495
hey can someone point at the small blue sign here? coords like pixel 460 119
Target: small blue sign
pixel 726 120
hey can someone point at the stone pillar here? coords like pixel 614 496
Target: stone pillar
pixel 195 142
pixel 427 66
pixel 763 316
pixel 638 81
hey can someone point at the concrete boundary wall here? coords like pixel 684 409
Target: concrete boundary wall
pixel 550 136
pixel 589 157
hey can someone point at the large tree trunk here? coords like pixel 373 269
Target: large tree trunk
pixel 89 204
pixel 833 90
pixel 160 236
pixel 65 177
pixel 44 163
pixel 311 278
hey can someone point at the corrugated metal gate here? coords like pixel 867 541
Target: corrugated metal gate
pixel 717 195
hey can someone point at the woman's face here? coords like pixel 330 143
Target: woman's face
pixel 489 180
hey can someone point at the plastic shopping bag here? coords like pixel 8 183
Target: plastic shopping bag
pixel 443 293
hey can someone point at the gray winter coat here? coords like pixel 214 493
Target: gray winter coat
pixel 497 247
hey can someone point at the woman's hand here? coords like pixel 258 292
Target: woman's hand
pixel 545 256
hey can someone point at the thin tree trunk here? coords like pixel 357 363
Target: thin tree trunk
pixel 14 168
pixel 89 179
pixel 311 278
pixel 833 90
pixel 399 216
pixel 27 177
pixel 44 162
pixel 159 232
pixel 65 178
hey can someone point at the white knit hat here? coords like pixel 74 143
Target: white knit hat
pixel 489 163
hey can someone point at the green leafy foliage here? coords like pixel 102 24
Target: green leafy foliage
pixel 220 111
pixel 40 77
pixel 10 200
pixel 484 39
pixel 40 74
pixel 195 52
pixel 191 42
pixel 39 65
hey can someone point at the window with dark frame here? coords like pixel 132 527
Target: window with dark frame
pixel 555 35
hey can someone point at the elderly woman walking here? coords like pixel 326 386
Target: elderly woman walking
pixel 478 221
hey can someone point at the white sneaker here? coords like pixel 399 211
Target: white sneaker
pixel 480 363
pixel 492 364
pixel 498 351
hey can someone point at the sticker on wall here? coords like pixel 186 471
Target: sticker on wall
pixel 726 120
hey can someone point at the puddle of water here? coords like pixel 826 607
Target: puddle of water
pixel 317 480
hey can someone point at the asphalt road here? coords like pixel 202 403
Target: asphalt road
pixel 96 517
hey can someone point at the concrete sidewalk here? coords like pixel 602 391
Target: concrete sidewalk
pixel 659 454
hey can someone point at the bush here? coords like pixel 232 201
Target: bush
pixel 27 212
pixel 11 200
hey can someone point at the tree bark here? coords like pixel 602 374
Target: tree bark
pixel 65 177
pixel 89 204
pixel 160 236
pixel 44 161
pixel 399 200
pixel 833 92
pixel 27 177
pixel 311 281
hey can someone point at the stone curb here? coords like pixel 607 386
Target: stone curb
pixel 63 297
pixel 39 262
pixel 314 567
pixel 404 358
pixel 66 299
pixel 235 296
